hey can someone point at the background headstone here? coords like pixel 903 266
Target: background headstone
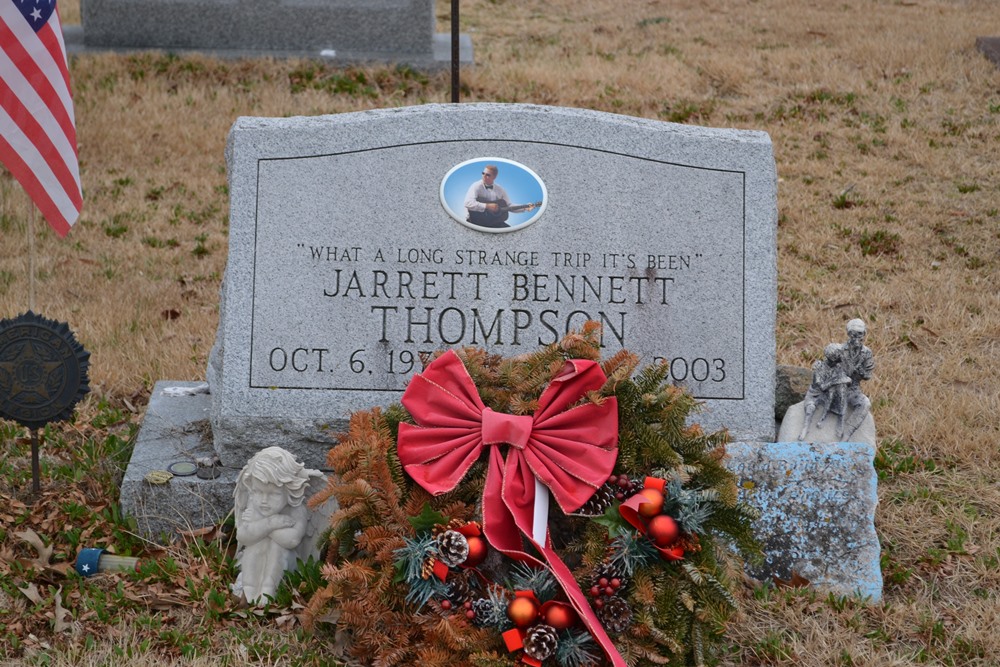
pixel 344 267
pixel 342 31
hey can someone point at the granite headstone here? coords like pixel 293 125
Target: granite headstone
pixel 351 258
pixel 335 30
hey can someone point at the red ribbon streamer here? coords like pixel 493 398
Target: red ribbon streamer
pixel 572 451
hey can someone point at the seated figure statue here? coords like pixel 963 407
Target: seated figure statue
pixel 836 389
pixel 271 521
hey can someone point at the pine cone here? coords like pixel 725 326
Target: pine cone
pixel 486 612
pixel 615 615
pixel 459 587
pixel 453 548
pixel 541 641
pixel 600 501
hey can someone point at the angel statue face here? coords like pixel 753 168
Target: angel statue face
pixel 266 498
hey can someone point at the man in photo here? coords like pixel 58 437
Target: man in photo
pixel 487 202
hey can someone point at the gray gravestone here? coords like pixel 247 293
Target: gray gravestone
pixel 338 30
pixel 345 265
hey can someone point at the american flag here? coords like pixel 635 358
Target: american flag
pixel 37 127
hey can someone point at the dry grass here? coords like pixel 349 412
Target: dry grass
pixel 885 126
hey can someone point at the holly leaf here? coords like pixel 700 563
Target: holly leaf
pixel 427 519
pixel 613 520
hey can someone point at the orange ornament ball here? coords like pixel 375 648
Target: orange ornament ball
pixel 560 616
pixel 663 530
pixel 522 611
pixel 654 504
pixel 477 551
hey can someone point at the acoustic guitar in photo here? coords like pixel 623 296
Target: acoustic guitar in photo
pixel 498 218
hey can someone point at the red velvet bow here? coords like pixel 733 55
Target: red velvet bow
pixel 572 451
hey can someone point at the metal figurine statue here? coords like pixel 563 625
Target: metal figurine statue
pixel 836 390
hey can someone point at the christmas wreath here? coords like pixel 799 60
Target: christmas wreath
pixel 444 550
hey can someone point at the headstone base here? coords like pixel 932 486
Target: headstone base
pixel 175 429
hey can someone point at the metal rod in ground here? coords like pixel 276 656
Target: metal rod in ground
pixel 454 52
pixel 36 484
pixel 31 255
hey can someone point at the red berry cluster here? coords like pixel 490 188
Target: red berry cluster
pixel 604 588
pixel 466 607
pixel 624 484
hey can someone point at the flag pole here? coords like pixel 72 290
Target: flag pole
pixel 455 52
pixel 31 255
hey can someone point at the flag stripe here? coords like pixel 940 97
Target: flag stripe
pixel 56 46
pixel 37 125
pixel 26 177
pixel 58 159
pixel 60 202
pixel 53 94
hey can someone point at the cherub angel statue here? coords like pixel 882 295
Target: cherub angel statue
pixel 271 521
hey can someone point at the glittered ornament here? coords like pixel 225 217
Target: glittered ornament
pixel 654 505
pixel 522 612
pixel 663 530
pixel 478 550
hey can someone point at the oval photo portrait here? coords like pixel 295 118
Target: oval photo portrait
pixel 493 194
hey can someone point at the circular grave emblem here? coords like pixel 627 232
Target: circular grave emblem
pixel 43 370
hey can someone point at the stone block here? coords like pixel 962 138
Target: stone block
pixel 817 505
pixel 175 429
pixel 791 427
pixel 790 386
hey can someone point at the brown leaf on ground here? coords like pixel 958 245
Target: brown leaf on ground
pixel 796 581
pixel 44 552
pixel 63 619
pixel 30 591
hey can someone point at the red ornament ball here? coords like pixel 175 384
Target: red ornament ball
pixel 446 604
pixel 663 530
pixel 477 551
pixel 522 611
pixel 653 505
pixel 560 616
